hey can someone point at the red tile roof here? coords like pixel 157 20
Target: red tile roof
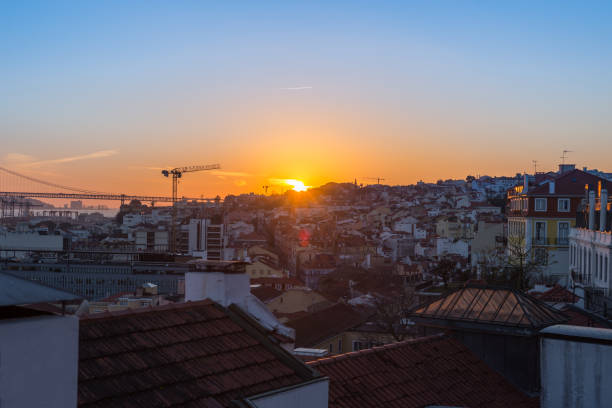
pixel 265 293
pixel 319 326
pixel 557 294
pixel 570 183
pixel 434 370
pixel 580 317
pixel 191 354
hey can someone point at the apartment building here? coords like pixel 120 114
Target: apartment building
pixel 541 214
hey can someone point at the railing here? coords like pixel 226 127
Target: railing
pixel 563 241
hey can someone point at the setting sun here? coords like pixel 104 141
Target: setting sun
pixel 297 185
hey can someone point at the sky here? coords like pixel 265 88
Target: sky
pixel 103 95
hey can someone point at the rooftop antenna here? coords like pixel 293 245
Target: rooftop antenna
pixel 535 167
pixel 564 156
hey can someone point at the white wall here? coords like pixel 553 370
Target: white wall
pixel 576 372
pixel 224 289
pixel 39 362
pixel 311 395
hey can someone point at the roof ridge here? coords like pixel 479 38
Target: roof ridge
pixel 377 349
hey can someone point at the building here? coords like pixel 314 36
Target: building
pixel 315 267
pixel 339 329
pixel 590 258
pixel 151 240
pixel 576 363
pixel 499 325
pixel 455 228
pixel 435 371
pixel 19 244
pixel 541 214
pixel 207 238
pixel 263 268
pixel 38 349
pixel 98 281
pixel 197 354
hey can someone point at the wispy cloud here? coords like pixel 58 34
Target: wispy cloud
pixel 25 160
pixel 32 162
pixel 296 88
pixel 222 173
pixel 17 158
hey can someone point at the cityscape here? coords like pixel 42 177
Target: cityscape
pixel 305 205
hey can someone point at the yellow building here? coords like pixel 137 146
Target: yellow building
pixel 298 300
pixel 263 268
pixel 541 213
pixel 453 228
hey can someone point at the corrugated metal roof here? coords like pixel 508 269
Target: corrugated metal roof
pixel 15 291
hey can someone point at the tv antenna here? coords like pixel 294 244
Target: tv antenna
pixel 535 167
pixel 564 155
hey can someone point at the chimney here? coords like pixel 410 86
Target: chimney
pixel 218 281
pixel 564 168
pixel 227 283
pixel 525 183
pixel 591 210
pixel 603 209
pixel 551 187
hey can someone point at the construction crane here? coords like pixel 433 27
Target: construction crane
pixel 378 179
pixel 177 173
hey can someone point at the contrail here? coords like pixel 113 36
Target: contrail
pixel 296 88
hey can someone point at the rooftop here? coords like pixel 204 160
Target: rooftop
pixel 428 371
pixel 319 326
pixel 16 291
pixel 493 306
pixel 189 354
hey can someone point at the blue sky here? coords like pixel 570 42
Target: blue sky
pixel 406 90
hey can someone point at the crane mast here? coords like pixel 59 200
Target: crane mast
pixel 176 174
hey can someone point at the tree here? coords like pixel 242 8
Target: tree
pixel 524 264
pixel 444 270
pixel 391 313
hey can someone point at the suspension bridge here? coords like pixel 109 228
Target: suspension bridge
pixel 17 188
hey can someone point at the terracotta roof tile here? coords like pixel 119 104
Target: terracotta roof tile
pixel 557 294
pixel 191 354
pixel 316 327
pixel 429 371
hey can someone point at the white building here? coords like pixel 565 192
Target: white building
pixel 12 242
pixel 38 350
pixel 590 248
pixel 207 239
pixel 445 246
pixel 151 240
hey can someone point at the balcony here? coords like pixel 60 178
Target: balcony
pixel 563 241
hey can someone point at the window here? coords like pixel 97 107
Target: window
pixel 563 233
pixel 563 205
pixel 540 232
pixel 540 204
pixel 541 256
